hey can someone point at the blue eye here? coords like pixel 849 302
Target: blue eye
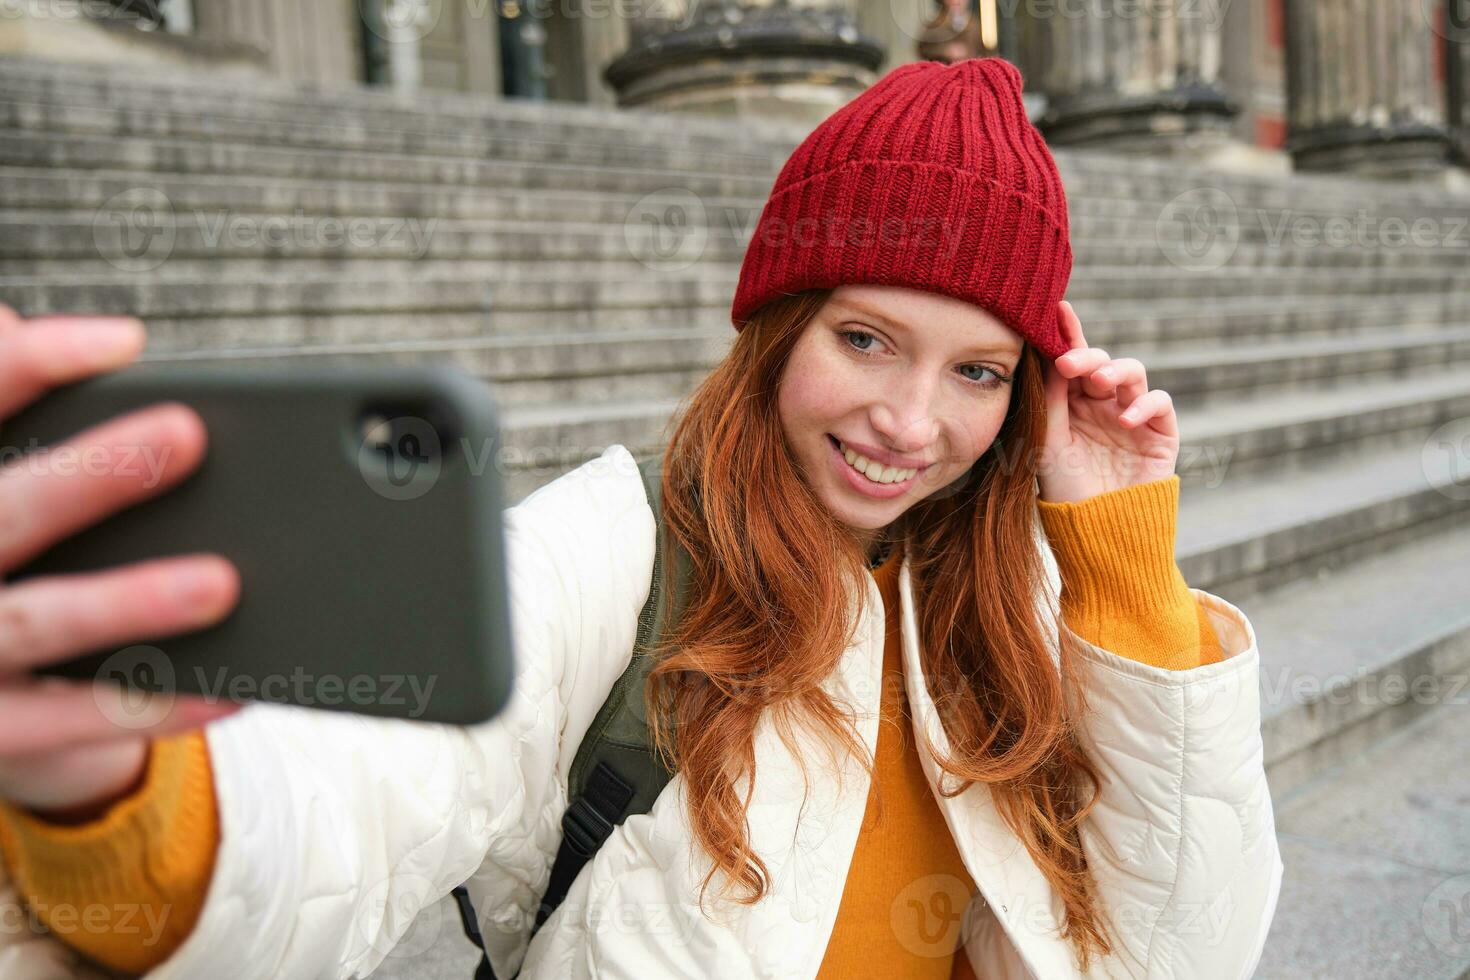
pixel 981 367
pixel 998 378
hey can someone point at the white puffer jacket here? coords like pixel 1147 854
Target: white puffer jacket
pixel 339 829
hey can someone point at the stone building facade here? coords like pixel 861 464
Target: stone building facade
pixel 1373 87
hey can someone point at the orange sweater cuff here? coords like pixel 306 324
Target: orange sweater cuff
pixel 1121 587
pixel 126 888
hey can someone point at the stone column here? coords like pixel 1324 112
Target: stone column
pixel 771 60
pixel 1127 75
pixel 895 25
pixel 314 42
pixel 1362 95
pixel 1455 32
pixel 95 32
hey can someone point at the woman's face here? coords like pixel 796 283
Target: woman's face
pixel 918 382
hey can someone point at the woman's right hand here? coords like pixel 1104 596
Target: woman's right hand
pixel 68 748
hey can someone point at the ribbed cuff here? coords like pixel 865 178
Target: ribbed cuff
pixel 1118 546
pixel 141 869
pixel 1121 587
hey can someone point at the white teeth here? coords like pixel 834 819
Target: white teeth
pixel 876 472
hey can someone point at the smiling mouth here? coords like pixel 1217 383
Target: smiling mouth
pixel 875 473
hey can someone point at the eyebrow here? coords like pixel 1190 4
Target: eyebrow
pixel 891 324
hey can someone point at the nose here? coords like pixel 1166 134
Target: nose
pixel 905 416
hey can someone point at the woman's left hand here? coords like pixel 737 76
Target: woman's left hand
pixel 1104 429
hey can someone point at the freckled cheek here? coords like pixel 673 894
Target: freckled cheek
pixel 988 434
pixel 816 400
pixel 973 437
pixel 805 415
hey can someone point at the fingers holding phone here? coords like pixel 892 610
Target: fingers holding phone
pixel 46 351
pixel 64 743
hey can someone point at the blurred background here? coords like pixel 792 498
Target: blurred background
pixel 1269 207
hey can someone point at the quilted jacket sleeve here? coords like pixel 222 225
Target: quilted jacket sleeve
pixel 1182 841
pixel 337 829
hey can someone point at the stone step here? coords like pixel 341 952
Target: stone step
pixel 1308 427
pixel 179 289
pixel 1129 176
pixel 1363 695
pixel 548 354
pixel 1258 213
pixel 24 148
pixel 400 290
pixel 42 242
pixel 541 442
pixel 1091 216
pixel 1302 236
pixel 268 334
pixel 492 139
pixel 1139 328
pixel 162 268
pixel 1255 531
pixel 1377 859
pixel 350 104
pixel 550 368
pixel 58 188
pixel 1359 652
pixel 1089 173
pixel 1219 372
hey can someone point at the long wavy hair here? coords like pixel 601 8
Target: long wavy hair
pixel 767 617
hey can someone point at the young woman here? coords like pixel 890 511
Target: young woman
pixel 917 502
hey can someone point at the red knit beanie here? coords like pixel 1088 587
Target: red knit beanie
pixel 932 178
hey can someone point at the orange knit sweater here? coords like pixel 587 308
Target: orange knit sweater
pixel 902 910
pixel 152 853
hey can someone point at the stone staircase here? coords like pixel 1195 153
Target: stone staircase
pixel 584 261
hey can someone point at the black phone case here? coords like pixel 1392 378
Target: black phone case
pixel 362 508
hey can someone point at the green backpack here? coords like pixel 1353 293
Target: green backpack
pixel 616 771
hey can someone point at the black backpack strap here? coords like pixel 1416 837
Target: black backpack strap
pixel 616 771
pixel 586 825
pixel 472 930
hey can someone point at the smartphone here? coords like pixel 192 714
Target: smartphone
pixel 362 508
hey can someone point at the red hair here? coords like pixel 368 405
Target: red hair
pixel 767 618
